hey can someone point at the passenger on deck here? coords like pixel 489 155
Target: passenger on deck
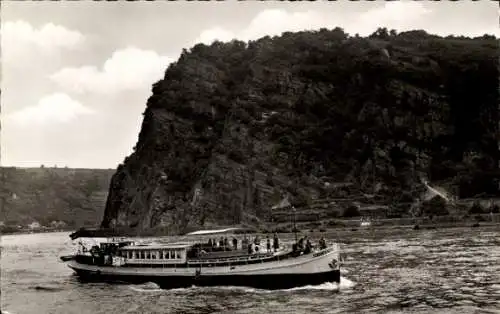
pixel 226 244
pixel 257 240
pixel 210 242
pixel 244 243
pixel 276 243
pixel 235 243
pixel 268 242
pixel 322 243
pixel 250 248
pixel 300 244
pixel 221 242
pixel 308 247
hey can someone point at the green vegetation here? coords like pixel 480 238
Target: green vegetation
pixel 54 197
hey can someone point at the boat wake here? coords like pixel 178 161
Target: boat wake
pixel 345 284
pixel 146 287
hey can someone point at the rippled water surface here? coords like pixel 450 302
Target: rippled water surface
pixel 385 271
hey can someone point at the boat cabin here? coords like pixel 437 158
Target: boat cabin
pixel 180 254
pixel 155 254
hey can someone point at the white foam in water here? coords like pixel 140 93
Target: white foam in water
pixel 324 286
pixel 345 284
pixel 146 287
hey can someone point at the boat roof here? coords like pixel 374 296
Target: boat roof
pixel 216 231
pixel 157 246
pixel 99 233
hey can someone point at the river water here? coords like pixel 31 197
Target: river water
pixel 386 271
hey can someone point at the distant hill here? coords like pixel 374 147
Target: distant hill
pixel 75 197
pixel 234 127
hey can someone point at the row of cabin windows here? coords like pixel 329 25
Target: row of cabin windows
pixel 152 254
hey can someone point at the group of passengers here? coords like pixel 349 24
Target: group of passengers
pixel 246 244
pixel 303 245
pixel 255 246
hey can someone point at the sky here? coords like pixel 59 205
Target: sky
pixel 76 75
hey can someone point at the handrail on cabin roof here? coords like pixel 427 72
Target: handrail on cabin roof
pixel 219 231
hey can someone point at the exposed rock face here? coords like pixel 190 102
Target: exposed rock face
pixel 234 127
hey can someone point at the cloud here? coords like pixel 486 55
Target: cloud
pixel 127 69
pixel 396 11
pixel 399 15
pixel 269 22
pixel 19 38
pixel 56 107
pixel 217 33
pixel 395 14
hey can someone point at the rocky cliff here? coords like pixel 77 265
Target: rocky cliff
pixel 234 127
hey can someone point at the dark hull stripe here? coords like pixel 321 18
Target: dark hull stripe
pixel 282 281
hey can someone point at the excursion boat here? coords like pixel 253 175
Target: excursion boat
pixel 184 264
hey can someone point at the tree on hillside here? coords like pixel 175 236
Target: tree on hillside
pixel 90 186
pixel 7 183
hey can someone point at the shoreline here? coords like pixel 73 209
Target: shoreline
pixel 348 225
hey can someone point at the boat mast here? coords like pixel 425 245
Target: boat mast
pixel 294 223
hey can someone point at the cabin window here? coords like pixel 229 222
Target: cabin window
pixel 136 254
pixel 178 254
pixel 161 255
pixel 143 255
pixel 148 256
pixel 153 255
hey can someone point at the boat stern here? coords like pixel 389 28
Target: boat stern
pixel 66 258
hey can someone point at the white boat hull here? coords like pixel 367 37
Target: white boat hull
pixel 309 269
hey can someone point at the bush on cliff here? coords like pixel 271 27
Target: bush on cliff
pixel 476 208
pixel 351 211
pixel 436 206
